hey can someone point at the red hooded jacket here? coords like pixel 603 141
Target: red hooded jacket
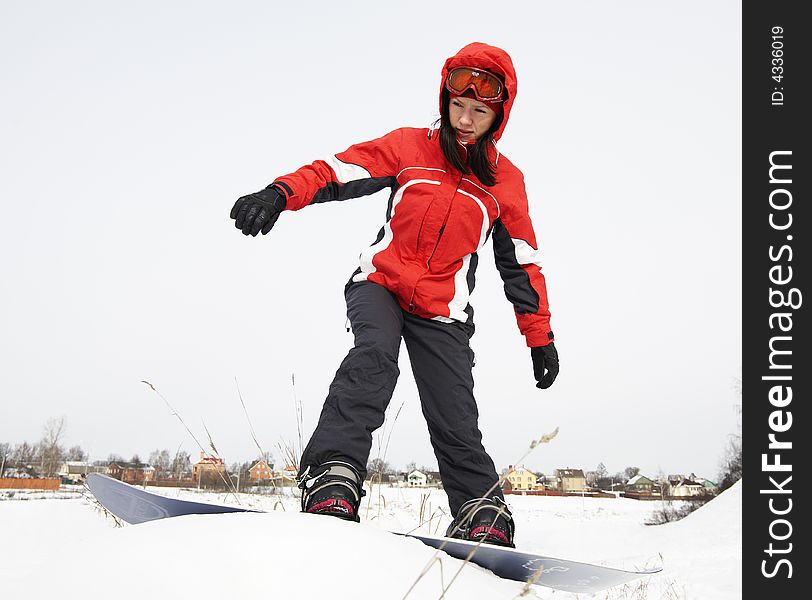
pixel 437 218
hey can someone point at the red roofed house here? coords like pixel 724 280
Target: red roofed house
pixel 209 469
pixel 260 471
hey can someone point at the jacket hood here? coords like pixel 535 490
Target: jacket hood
pixel 488 58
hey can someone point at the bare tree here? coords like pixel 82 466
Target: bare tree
pixel 181 464
pixel 379 467
pixel 243 468
pixel 5 456
pixel 24 456
pixel 51 453
pixel 160 461
pixel 731 470
pixel 631 472
pixel 76 453
pixel 732 464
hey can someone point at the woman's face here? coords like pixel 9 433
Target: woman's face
pixel 470 118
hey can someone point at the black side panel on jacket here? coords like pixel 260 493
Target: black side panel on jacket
pixel 353 189
pixel 517 283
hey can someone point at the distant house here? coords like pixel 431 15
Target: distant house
pixel 131 472
pixel 434 478
pixel 76 471
pixel 571 480
pixel 685 487
pixel 396 479
pixel 417 479
pixel 610 484
pixel 260 471
pixel 521 479
pixel 208 468
pixel 640 484
pixel 709 485
pixel 285 477
pixel 548 482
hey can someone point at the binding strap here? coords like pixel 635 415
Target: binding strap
pixel 332 473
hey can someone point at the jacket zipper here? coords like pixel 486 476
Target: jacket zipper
pixel 445 222
pixel 439 237
pixel 437 243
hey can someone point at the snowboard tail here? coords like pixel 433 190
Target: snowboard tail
pixel 134 506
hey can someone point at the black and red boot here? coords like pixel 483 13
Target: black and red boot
pixel 334 488
pixel 486 520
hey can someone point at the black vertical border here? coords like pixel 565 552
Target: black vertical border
pixel 768 128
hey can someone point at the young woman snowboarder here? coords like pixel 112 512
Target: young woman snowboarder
pixel 451 190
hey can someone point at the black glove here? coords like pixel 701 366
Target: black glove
pixel 545 357
pixel 258 212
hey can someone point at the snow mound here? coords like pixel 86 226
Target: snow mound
pixel 723 512
pixel 65 548
pixel 704 550
pixel 275 554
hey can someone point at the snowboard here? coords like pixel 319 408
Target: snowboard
pixel 134 505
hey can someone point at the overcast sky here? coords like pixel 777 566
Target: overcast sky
pixel 127 131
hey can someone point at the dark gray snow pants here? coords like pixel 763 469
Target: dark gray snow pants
pixel 441 361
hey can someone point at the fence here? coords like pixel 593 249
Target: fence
pixel 25 483
pixel 534 492
pixel 586 494
pixel 178 483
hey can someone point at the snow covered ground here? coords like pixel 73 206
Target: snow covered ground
pixel 64 548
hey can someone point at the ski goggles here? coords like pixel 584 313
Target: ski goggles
pixel 487 87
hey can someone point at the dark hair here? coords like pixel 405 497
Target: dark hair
pixel 477 160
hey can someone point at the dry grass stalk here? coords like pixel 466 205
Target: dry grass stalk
pixel 251 428
pixel 99 507
pixel 199 445
pixel 435 559
pixel 526 588
pixel 436 516
pixel 544 439
pixel 289 454
pixel 227 481
pixel 298 407
pixel 382 460
pixel 175 413
pixel 424 498
pixel 371 482
pixel 391 430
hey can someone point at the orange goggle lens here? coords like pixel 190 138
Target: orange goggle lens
pixel 486 86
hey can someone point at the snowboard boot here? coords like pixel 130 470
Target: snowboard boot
pixel 486 520
pixel 334 488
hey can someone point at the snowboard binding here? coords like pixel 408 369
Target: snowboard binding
pixel 485 520
pixel 334 488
